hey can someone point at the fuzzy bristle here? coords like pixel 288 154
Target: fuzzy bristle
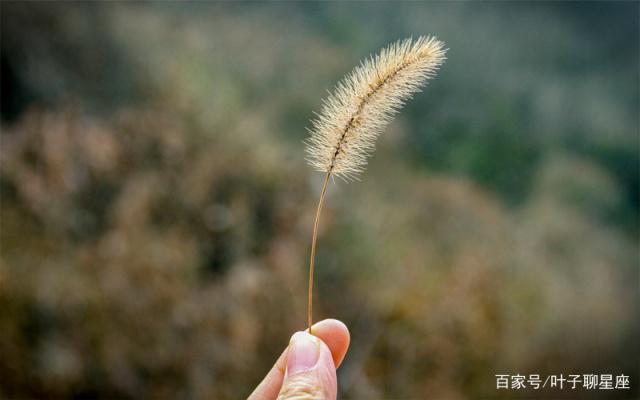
pixel 365 101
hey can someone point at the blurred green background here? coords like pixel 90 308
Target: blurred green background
pixel 156 207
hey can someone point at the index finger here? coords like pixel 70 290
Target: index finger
pixel 331 331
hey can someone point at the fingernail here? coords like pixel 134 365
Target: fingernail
pixel 304 351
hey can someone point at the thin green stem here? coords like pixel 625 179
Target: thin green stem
pixel 313 251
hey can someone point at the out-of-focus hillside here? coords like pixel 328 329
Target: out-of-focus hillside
pixel 156 208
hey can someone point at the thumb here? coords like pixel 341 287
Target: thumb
pixel 311 373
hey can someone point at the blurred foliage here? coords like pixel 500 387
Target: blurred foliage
pixel 156 209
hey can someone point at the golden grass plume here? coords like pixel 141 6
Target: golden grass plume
pixel 360 107
pixel 365 101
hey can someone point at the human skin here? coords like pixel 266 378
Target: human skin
pixel 306 369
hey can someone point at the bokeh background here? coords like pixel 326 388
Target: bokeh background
pixel 156 207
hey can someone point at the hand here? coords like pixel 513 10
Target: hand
pixel 307 367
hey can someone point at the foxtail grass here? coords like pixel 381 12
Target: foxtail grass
pixel 362 104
